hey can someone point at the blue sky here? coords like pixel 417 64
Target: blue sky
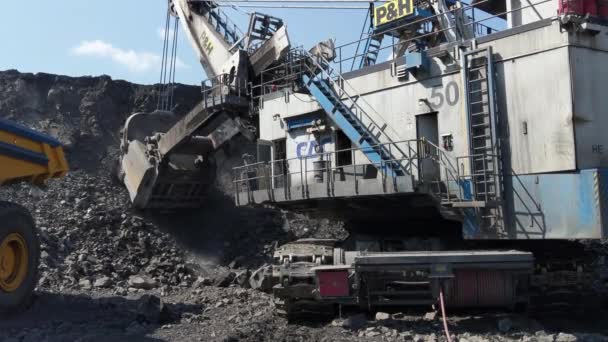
pixel 121 38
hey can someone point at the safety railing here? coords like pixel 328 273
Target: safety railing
pixel 286 75
pixel 347 53
pixel 216 89
pixel 480 30
pixel 325 167
pixel 220 21
pixel 448 185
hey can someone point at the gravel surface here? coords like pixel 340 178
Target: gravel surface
pixel 109 273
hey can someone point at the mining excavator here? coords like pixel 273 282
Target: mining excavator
pixel 449 176
pixel 168 162
pixel 25 156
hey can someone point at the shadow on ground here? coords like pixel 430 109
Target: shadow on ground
pixel 222 232
pixel 71 317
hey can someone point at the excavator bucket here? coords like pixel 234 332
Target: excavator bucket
pixel 179 180
pixel 168 162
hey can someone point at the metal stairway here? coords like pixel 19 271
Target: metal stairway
pixel 484 158
pixel 369 56
pixel 327 86
pixel 372 49
pixel 219 20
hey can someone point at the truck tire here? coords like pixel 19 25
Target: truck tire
pixel 19 258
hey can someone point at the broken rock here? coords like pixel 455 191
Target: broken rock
pixel 430 316
pixel 382 316
pixel 563 337
pixel 85 283
pixel 225 279
pixel 200 282
pixel 103 282
pixel 242 278
pixel 142 282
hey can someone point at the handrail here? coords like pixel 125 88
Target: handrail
pixel 222 85
pixel 421 150
pixel 340 60
pixel 227 24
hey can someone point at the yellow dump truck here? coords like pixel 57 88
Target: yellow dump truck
pixel 25 156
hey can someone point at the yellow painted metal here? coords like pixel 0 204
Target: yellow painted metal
pixel 16 169
pixel 14 262
pixel 392 10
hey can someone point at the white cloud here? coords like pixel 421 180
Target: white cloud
pixel 133 60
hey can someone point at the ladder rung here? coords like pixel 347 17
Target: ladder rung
pixel 478 102
pixel 477 80
pixel 479 113
pixel 477 91
pixel 477 67
pixel 480 136
pixel 483 173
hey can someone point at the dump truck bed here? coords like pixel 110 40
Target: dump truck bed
pixel 28 155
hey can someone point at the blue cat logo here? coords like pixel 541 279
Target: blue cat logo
pixel 309 148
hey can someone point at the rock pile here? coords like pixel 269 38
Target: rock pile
pixel 91 239
pixel 84 113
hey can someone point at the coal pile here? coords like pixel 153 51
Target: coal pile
pixel 84 113
pixel 91 239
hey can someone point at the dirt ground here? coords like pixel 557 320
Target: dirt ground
pixel 235 314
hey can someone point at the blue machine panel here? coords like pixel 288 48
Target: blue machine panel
pixel 554 206
pixel 301 121
pixel 416 61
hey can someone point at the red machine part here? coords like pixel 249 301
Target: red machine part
pixel 481 288
pixel 333 283
pixel 584 7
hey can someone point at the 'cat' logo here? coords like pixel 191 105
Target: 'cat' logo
pixel 311 148
pixel 392 10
